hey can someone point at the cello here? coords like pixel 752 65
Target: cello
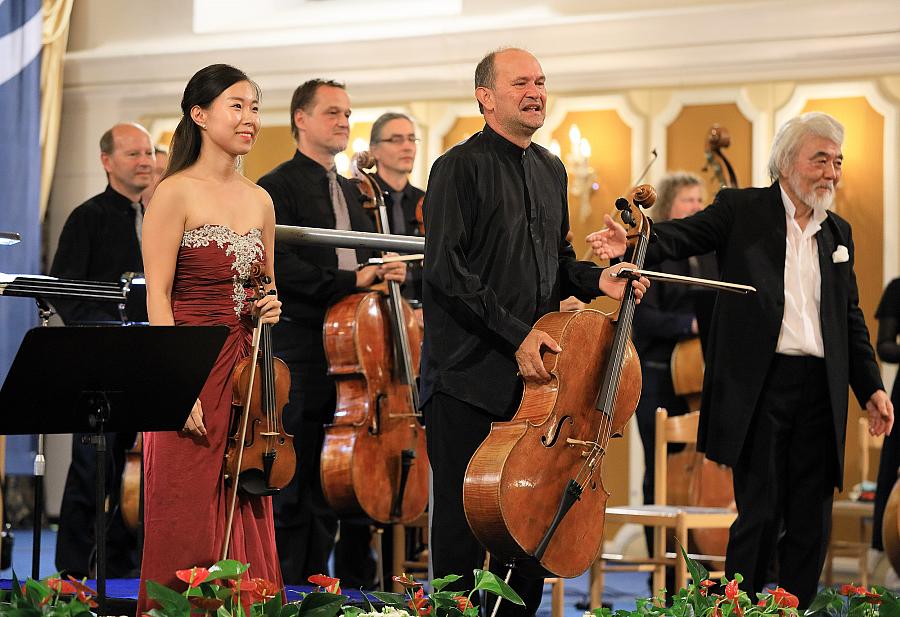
pixel 533 491
pixel 259 455
pixel 373 459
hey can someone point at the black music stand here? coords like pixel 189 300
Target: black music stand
pixel 101 379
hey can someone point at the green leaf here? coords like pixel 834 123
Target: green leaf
pixel 273 607
pixel 397 600
pixel 16 587
pixel 35 591
pixel 439 583
pixel 488 581
pixel 321 604
pixel 890 604
pixel 351 611
pixel 173 603
pixel 227 569
pixel 289 610
pixel 698 572
pixel 369 607
pixel 822 600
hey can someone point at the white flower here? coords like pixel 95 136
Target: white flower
pixel 840 254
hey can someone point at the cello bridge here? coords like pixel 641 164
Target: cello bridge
pixel 594 448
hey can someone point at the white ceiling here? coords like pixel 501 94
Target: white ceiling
pixel 418 49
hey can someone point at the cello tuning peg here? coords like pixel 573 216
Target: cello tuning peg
pixel 653 236
pixel 622 204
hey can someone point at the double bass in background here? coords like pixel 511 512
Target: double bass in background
pixel 533 491
pixel 374 461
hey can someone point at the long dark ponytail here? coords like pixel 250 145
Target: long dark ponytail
pixel 202 89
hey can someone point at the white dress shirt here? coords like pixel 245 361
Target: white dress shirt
pixel 801 327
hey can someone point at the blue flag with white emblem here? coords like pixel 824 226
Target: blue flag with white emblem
pixel 21 26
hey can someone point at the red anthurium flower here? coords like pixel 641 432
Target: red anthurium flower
pixel 872 598
pixel 731 590
pixel 785 599
pixel 331 585
pixel 762 602
pixel 86 599
pixel 242 584
pixel 265 590
pixel 851 590
pixel 205 604
pixel 61 586
pixel 193 576
pixel 705 585
pixel 462 602
pixel 406 581
pixel 419 603
pixel 81 587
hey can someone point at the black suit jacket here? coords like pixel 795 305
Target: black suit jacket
pixel 747 229
pixel 308 276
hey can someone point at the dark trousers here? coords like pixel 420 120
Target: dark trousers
pixel 76 537
pixel 454 431
pixel 305 526
pixel 784 480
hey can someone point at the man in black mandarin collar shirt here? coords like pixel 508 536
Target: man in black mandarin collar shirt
pixel 496 260
pixel 307 191
pixel 98 243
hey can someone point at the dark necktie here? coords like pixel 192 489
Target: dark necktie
pixel 138 219
pixel 398 220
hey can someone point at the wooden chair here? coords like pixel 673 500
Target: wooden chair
pixel 662 517
pixel 858 512
pixel 415 565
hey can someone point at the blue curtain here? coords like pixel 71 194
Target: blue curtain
pixel 20 177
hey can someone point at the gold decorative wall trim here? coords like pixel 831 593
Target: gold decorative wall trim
pixel 561 106
pixel 759 120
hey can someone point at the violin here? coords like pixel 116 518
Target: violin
pixel 373 459
pixel 260 454
pixel 533 491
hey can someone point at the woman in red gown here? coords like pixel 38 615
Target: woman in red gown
pixel 206 226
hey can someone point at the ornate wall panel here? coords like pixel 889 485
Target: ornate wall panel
pixel 686 142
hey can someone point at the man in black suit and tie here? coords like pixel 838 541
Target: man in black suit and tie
pixel 779 361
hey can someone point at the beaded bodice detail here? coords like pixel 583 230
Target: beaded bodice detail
pixel 243 249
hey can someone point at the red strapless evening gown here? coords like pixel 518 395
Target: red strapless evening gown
pixel 185 503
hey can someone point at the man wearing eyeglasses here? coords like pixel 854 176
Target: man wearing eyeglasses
pixel 393 143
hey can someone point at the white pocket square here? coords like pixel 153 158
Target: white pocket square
pixel 840 254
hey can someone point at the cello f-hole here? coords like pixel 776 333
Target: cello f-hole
pixel 553 434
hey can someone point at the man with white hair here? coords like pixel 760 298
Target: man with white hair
pixel 779 361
